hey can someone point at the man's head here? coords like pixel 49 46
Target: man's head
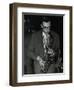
pixel 45 25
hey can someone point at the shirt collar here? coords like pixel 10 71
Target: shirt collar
pixel 45 35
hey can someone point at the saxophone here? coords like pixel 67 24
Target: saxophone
pixel 49 58
pixel 52 57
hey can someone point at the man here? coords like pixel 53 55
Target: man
pixel 44 49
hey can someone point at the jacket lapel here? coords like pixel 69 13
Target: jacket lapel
pixel 41 43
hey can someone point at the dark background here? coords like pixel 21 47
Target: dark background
pixel 32 24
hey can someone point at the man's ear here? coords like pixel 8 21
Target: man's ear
pixel 41 26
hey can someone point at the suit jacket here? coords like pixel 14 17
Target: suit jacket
pixel 36 49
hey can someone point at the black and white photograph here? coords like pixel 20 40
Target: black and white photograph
pixel 40 44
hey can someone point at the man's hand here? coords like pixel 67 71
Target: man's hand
pixel 41 62
pixel 51 52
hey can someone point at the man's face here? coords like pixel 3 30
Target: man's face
pixel 46 26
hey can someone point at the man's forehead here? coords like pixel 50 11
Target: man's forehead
pixel 46 23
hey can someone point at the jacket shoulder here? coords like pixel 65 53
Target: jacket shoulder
pixel 55 34
pixel 36 34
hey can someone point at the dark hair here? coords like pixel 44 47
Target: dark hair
pixel 45 18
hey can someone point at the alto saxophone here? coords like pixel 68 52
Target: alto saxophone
pixel 49 58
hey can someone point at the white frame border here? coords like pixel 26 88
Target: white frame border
pixel 43 77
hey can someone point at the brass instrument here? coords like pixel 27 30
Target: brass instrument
pixel 51 57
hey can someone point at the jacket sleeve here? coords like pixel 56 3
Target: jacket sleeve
pixel 31 48
pixel 57 45
pixel 57 41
